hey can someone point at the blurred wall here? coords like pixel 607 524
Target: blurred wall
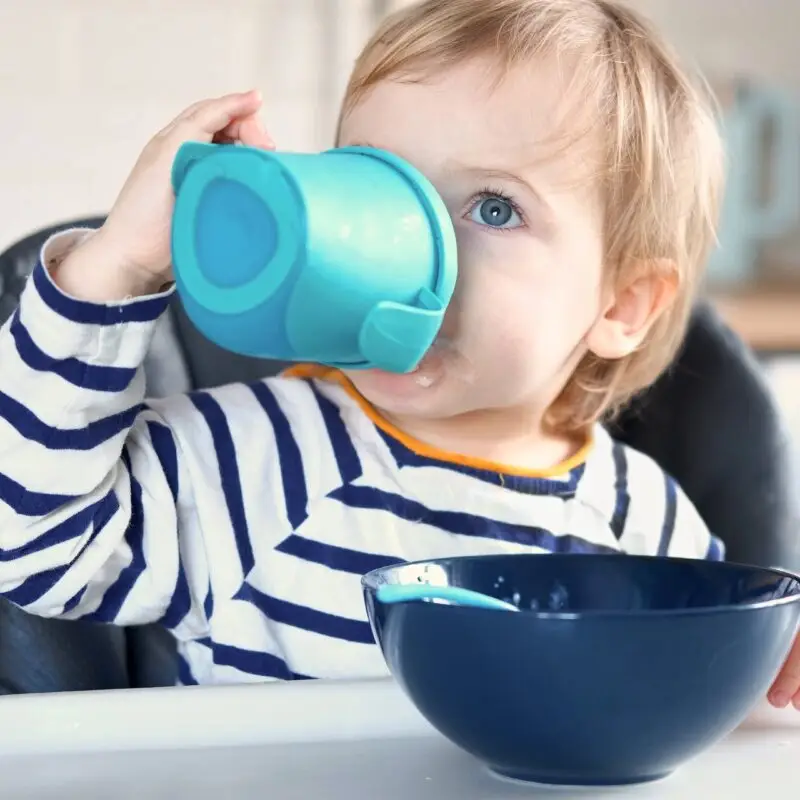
pixel 84 83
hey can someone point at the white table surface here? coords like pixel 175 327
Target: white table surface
pixel 305 741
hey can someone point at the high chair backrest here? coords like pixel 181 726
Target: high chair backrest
pixel 710 421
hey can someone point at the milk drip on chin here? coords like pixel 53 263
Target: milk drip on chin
pixel 444 359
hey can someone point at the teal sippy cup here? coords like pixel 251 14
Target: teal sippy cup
pixel 345 258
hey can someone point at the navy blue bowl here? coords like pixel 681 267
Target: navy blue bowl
pixel 617 669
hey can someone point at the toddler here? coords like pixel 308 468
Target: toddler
pixel 581 168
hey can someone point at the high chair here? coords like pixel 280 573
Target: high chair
pixel 710 421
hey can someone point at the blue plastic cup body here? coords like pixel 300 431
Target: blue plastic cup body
pixel 345 258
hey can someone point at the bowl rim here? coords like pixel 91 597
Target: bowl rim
pixel 371 580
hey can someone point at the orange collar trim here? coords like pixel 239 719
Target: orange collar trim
pixel 317 371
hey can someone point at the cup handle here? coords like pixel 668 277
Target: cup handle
pixel 396 336
pixel 188 154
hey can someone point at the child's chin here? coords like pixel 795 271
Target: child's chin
pixel 387 389
pixel 423 392
pixel 396 392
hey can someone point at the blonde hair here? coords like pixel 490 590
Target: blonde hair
pixel 664 155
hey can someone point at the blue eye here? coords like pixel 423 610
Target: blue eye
pixel 496 212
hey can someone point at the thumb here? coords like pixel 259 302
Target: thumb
pixel 251 131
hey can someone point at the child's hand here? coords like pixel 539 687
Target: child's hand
pixel 130 254
pixel 786 688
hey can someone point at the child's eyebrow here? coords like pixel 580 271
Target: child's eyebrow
pixel 487 173
pixel 500 174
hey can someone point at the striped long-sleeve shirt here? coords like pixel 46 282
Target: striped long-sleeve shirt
pixel 243 518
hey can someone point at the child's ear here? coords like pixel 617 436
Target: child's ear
pixel 632 309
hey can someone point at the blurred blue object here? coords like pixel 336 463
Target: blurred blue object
pixel 762 141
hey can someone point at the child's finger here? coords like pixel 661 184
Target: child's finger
pixel 183 116
pixel 187 112
pixel 214 116
pixel 249 131
pixel 786 687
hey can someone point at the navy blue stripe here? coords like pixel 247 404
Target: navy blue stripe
pixel 252 662
pixel 167 454
pixel 290 461
pixel 406 458
pixel 229 474
pixel 116 594
pixel 623 498
pixel 98 513
pixel 670 511
pixel 28 425
pixel 36 587
pixel 29 503
pixel 75 600
pixel 180 603
pixel 716 550
pixel 344 452
pixel 208 603
pixel 464 524
pixel 185 673
pixel 164 446
pixel 307 619
pixel 146 309
pixel 339 558
pixel 72 370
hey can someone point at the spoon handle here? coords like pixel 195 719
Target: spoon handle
pixel 402 593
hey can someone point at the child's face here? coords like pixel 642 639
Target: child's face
pixel 528 219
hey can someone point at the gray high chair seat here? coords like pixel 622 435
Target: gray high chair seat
pixel 710 421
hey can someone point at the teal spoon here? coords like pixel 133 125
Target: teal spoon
pixel 403 593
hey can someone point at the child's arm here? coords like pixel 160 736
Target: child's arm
pixel 91 479
pixel 86 470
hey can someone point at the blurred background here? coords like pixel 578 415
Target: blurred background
pixel 84 83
